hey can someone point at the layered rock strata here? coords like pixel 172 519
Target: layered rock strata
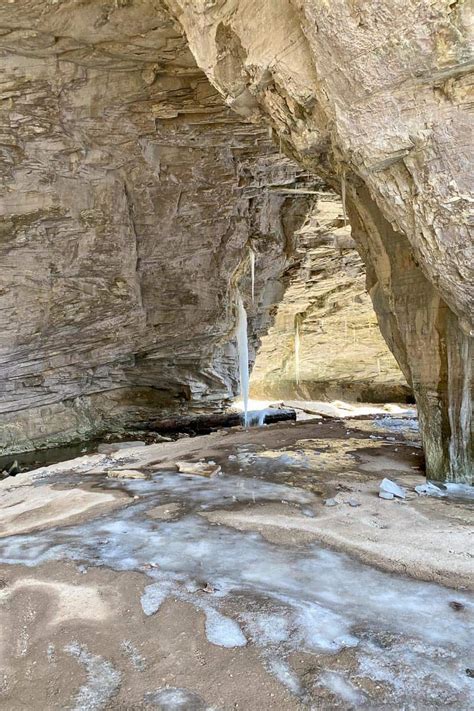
pixel 126 186
pixel 326 317
pixel 129 197
pixel 378 100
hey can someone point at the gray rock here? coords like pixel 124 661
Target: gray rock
pixel 331 502
pixel 428 489
pixel 387 144
pixel 390 487
pixel 109 448
pixel 386 495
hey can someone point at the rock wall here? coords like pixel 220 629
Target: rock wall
pixel 341 351
pixel 376 98
pixel 129 196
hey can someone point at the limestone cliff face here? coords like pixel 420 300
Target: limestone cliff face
pixel 377 99
pixel 341 351
pixel 129 196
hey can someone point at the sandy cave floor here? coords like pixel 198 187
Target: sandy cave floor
pixel 241 590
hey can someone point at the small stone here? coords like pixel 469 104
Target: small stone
pixel 13 469
pixel 470 673
pixel 125 474
pixel 330 502
pixel 428 489
pixel 353 502
pixel 455 605
pixel 208 469
pixel 112 447
pixel 389 486
pixel 386 495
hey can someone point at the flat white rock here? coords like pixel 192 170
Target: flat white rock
pixel 390 487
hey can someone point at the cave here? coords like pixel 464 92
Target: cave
pixel 205 201
pixel 100 182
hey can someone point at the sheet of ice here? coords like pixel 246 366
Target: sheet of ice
pixel 283 672
pixel 297 349
pixel 342 688
pixel 460 491
pixel 446 489
pixel 274 457
pixel 131 652
pixel 243 351
pixel 154 596
pixel 222 630
pixel 266 628
pixel 174 699
pixel 252 271
pixel 399 667
pixel 102 679
pixel 399 424
pixel 324 601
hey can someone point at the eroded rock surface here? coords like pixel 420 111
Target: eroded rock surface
pixel 377 100
pixel 341 351
pixel 128 188
pixel 130 195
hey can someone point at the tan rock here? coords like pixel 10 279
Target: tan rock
pixel 208 469
pixel 125 474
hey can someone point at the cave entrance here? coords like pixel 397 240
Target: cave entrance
pixel 325 343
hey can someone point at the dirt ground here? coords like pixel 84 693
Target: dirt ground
pixel 246 589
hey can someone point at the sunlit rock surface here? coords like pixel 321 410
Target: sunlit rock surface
pixel 341 351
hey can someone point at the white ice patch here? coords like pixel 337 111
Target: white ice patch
pixel 102 683
pixel 320 601
pixel 320 629
pixel 409 668
pixel 274 459
pixel 397 424
pixel 174 699
pixel 460 491
pixel 342 688
pixel 222 630
pixel 266 629
pixel 154 596
pixel 285 675
pixel 130 651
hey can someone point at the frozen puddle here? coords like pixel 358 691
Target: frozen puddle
pixel 363 627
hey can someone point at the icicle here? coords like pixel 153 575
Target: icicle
pixel 343 196
pixel 243 349
pixel 297 349
pixel 252 271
